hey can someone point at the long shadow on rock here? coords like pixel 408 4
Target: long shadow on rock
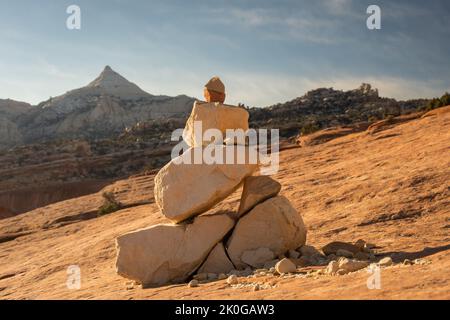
pixel 400 256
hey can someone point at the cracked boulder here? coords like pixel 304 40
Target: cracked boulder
pixel 257 258
pixel 217 261
pixel 166 253
pixel 273 224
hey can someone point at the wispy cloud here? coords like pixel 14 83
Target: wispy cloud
pixel 267 89
pixel 338 7
pixel 267 51
pixel 44 67
pixel 264 89
pixel 277 23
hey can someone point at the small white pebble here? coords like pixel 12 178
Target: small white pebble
pixel 386 262
pixel 193 283
pixel 232 279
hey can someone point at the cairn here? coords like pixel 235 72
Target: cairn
pixel 203 240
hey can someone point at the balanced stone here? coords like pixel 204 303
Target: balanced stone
pixel 256 190
pixel 273 224
pixel 186 187
pixel 169 253
pixel 216 116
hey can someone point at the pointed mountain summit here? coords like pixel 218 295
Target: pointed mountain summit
pixel 109 84
pixel 112 83
pixel 103 108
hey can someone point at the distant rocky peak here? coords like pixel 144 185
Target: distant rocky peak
pixel 109 79
pixel 109 82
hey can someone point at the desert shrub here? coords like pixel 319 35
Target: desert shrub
pixel 309 128
pixel 389 118
pixel 438 102
pixel 372 119
pixel 445 99
pixel 110 204
pixel 431 105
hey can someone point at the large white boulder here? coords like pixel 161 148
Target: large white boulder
pixel 184 189
pixel 213 115
pixel 273 224
pixel 169 253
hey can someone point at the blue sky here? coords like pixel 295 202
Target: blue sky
pixel 265 51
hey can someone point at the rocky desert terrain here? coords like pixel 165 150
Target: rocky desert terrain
pixel 77 143
pixel 388 185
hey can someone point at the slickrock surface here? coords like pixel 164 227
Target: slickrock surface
pixel 390 188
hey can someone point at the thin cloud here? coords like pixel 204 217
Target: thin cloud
pixel 306 25
pixel 259 47
pixel 268 89
pixel 338 7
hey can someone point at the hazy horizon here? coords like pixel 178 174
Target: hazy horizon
pixel 265 52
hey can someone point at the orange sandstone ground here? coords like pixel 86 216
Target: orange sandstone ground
pixel 391 188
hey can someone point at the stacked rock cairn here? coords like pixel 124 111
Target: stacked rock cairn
pixel 201 239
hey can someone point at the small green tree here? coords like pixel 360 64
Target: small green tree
pixel 445 99
pixel 437 104
pixel 433 104
pixel 110 204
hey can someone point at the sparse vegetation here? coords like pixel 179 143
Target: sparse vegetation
pixel 438 102
pixel 445 99
pixel 389 118
pixel 325 107
pixel 373 119
pixel 309 128
pixel 110 204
